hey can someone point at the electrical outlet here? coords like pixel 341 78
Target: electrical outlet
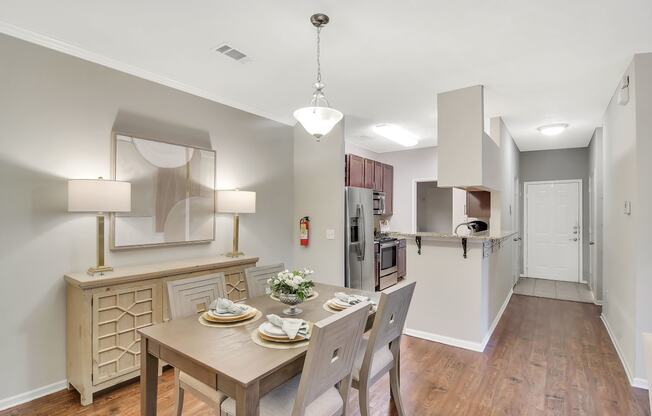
pixel 330 234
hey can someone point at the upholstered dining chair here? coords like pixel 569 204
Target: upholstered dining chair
pixel 189 297
pixel 257 278
pixel 380 351
pixel 329 363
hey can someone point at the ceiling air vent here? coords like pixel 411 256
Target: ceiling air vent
pixel 231 52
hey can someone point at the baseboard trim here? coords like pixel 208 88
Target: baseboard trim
pixel 494 324
pixel 453 342
pixel 638 382
pixel 32 394
pixel 462 343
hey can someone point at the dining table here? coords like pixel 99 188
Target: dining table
pixel 226 358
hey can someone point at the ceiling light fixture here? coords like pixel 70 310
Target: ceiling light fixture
pixel 396 134
pixel 552 129
pixel 318 119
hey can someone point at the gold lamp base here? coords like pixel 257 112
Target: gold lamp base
pixel 101 268
pixel 236 231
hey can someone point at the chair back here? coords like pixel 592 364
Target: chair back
pixel 193 295
pixel 257 278
pixel 390 317
pixel 331 355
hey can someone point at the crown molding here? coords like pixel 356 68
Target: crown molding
pixel 81 53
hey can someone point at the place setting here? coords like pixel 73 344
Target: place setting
pixel 223 312
pixel 342 301
pixel 282 333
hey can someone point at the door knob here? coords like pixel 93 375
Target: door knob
pixel 591 243
pixel 573 239
pixel 574 232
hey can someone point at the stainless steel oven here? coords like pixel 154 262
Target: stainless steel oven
pixel 388 263
pixel 379 203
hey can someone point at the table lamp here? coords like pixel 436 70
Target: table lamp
pixel 236 202
pixel 100 196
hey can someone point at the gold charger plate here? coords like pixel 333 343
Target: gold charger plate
pixel 283 339
pixel 230 319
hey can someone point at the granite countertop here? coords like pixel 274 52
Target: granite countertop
pixel 480 237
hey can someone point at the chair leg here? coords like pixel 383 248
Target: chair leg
pixel 363 398
pixel 395 378
pixel 178 394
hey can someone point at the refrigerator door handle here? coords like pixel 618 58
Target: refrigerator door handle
pixel 363 240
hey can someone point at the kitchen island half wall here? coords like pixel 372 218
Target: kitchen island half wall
pixel 459 300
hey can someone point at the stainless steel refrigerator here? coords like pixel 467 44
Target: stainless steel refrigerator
pixel 359 241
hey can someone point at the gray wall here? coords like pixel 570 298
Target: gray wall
pixel 560 164
pixel 319 190
pixel 434 208
pixel 56 116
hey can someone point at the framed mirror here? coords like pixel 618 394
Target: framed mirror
pixel 172 193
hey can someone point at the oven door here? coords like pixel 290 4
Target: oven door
pixel 388 258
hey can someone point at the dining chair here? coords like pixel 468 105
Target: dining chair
pixel 257 278
pixel 322 389
pixel 188 297
pixel 380 351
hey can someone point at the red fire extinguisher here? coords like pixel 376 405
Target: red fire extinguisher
pixel 304 231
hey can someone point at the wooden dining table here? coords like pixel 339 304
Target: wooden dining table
pixel 226 358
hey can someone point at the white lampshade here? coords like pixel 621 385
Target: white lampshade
pixel 98 195
pixel 239 202
pixel 318 121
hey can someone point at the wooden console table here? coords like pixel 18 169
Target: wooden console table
pixel 105 312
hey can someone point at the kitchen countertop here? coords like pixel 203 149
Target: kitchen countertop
pixel 479 237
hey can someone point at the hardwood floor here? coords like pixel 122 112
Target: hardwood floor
pixel 546 357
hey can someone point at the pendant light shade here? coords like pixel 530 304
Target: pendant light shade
pixel 319 118
pixel 318 121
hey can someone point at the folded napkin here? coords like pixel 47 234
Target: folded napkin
pixel 292 327
pixel 352 299
pixel 223 305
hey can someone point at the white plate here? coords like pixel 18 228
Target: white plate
pixel 228 314
pixel 272 330
pixel 340 303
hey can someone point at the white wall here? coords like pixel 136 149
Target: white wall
pixel 56 116
pixel 596 198
pixel 627 150
pixel 409 165
pixel 319 194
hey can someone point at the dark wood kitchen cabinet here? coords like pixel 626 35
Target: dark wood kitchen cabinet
pixel 388 188
pixel 355 171
pixel 401 258
pixel 378 176
pixel 369 173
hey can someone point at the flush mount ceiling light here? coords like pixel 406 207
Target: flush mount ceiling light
pixel 318 119
pixel 396 134
pixel 552 129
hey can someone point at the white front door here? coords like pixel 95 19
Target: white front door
pixel 552 230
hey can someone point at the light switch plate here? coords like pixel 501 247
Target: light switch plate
pixel 330 234
pixel 628 208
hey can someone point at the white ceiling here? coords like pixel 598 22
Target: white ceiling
pixel 383 61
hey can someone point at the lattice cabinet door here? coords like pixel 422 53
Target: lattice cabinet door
pixel 117 316
pixel 236 285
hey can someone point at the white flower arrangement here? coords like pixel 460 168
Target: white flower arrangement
pixel 296 282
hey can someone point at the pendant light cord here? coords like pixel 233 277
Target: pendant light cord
pixel 318 55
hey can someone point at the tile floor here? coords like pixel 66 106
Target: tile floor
pixel 543 288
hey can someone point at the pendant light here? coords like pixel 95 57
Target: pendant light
pixel 318 119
